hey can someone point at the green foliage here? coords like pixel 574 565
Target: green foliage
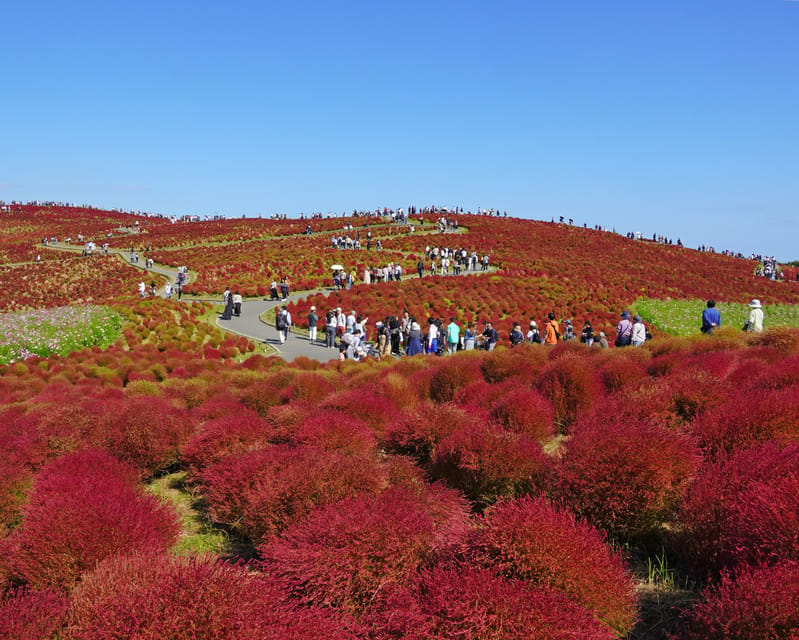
pixel 684 317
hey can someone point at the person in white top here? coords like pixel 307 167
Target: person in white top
pixel 755 321
pixel 638 336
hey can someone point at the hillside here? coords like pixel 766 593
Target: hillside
pixel 173 481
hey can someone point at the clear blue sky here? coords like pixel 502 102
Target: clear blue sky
pixel 677 117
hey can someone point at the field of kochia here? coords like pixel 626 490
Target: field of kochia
pixel 177 485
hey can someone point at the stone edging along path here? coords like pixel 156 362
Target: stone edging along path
pixel 250 324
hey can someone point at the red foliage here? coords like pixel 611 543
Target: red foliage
pixel 343 555
pixel 570 383
pixel 526 412
pixel 15 482
pixel 240 431
pixel 624 477
pixel 750 417
pixel 531 540
pixel 487 462
pixel 722 504
pixel 523 364
pixel 452 374
pixel 337 431
pixel 364 403
pixel 261 492
pixel 154 597
pixel 758 604
pixel 33 615
pixel 147 431
pixel 469 602
pixel 85 507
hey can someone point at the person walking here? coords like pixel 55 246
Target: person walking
pixel 755 321
pixel 469 337
pixel 313 321
pixel 237 300
pixel 711 317
pixel 283 323
pixel 330 329
pixel 453 336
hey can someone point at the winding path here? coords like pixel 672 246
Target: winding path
pixel 249 324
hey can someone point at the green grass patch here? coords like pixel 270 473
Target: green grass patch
pixel 684 317
pixel 56 331
pixel 198 536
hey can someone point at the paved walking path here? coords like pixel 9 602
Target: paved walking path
pixel 249 324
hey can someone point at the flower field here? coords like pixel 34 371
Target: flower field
pixel 168 482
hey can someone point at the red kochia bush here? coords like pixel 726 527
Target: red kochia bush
pixel 571 385
pixel 375 410
pixel 262 492
pixel 470 602
pixel 531 540
pixel 526 412
pixel 452 374
pixel 487 462
pixel 750 417
pixel 147 431
pixel 758 604
pixel 336 431
pixel 238 432
pixel 624 477
pixel 33 615
pixel 742 508
pixel 85 507
pixel 343 555
pixel 15 482
pixel 198 598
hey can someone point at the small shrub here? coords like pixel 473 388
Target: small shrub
pixel 624 477
pixel 750 417
pixel 760 603
pixel 238 432
pixel 261 492
pixel 531 540
pixel 487 462
pixel 526 412
pixel 375 410
pixel 83 508
pixel 451 375
pixel 33 615
pixel 15 482
pixel 571 385
pixel 343 555
pixel 715 511
pixel 190 598
pixel 337 431
pixel 469 602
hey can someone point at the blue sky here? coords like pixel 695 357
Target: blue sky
pixel 677 117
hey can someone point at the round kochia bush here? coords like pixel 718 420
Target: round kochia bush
pixel 83 508
pixel 743 508
pixel 261 492
pixel 531 540
pixel 346 553
pixel 153 597
pixel 571 384
pixel 33 615
pixel 624 477
pixel 471 602
pixel 758 604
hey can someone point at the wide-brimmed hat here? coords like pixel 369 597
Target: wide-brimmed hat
pixel 755 304
pixel 313 308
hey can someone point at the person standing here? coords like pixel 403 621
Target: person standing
pixel 755 321
pixel 453 336
pixel 330 329
pixel 490 336
pixel 237 300
pixel 711 318
pixel 551 329
pixel 516 335
pixel 587 334
pixel 432 336
pixel 624 330
pixel 533 334
pixel 638 334
pixel 469 337
pixel 283 323
pixel 313 321
pixel 142 289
